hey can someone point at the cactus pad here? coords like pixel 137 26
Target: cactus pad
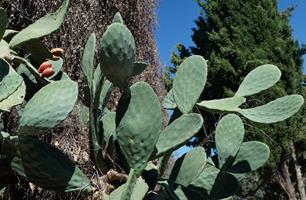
pixel 223 105
pixel 218 185
pixel 117 54
pixel 109 125
pixel 48 107
pixel 189 82
pixel 274 111
pixel 178 133
pixel 48 167
pixel 138 192
pixel 229 136
pixel 4 48
pixel 14 99
pixel 118 18
pixel 259 79
pixel 105 94
pixel 87 62
pixel 41 27
pixel 139 128
pixel 188 167
pixel 9 84
pixel 169 102
pixel 56 66
pixel 250 157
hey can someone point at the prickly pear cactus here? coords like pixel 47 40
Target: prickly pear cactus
pixel 131 138
pixel 49 100
pixel 217 182
pixel 257 80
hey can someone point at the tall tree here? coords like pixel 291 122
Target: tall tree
pixel 235 36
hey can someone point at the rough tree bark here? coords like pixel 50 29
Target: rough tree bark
pixel 283 178
pixel 299 177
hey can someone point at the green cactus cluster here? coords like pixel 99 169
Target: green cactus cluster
pixel 42 102
pixel 133 135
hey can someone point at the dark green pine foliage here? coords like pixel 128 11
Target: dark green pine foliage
pixel 236 36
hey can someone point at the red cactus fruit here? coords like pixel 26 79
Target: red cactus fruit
pixel 44 66
pixel 48 72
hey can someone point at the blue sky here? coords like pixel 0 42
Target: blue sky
pixel 176 19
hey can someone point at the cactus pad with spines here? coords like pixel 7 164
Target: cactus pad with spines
pixel 41 27
pixel 12 88
pixel 105 94
pixel 48 107
pixel 48 167
pixel 189 82
pixel 87 62
pixel 188 167
pixel 109 125
pixel 229 136
pixel 178 133
pixel 274 111
pixel 117 54
pixel 56 66
pixel 139 128
pixel 118 18
pixel 250 157
pixel 169 102
pixel 206 178
pixel 218 185
pixel 223 105
pixel 4 48
pixel 14 99
pixel 9 84
pixel 259 79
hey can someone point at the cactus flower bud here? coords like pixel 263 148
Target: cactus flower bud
pixel 48 72
pixel 57 52
pixel 44 66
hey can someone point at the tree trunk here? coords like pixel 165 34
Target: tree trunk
pixel 299 177
pixel 283 178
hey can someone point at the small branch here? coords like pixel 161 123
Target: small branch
pixel 113 175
